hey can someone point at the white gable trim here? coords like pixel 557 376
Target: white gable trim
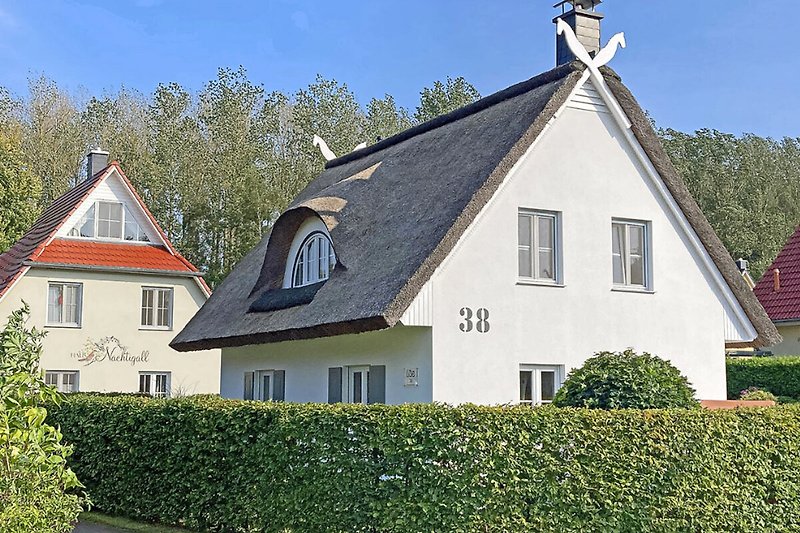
pixel 131 202
pixel 577 98
pixel 420 311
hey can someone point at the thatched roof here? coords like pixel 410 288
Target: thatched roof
pixel 395 210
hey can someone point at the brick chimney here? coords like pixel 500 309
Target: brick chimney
pixel 585 21
pixel 96 160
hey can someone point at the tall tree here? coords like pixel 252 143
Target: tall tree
pixel 445 97
pixel 20 190
pixel 53 139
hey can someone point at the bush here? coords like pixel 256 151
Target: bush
pixel 34 478
pixel 621 380
pixel 779 375
pixel 754 393
pixel 224 465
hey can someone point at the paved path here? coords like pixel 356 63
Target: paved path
pixel 87 527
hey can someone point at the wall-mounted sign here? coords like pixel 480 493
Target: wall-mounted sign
pixel 108 349
pixel 412 377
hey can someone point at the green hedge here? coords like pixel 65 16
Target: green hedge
pixel 227 465
pixel 778 375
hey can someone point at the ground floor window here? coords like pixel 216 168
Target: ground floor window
pixel 357 384
pixel 63 381
pixel 538 383
pixel 155 383
pixel 264 385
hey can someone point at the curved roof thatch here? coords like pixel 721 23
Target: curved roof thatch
pixel 396 209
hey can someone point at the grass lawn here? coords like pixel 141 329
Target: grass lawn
pixel 126 524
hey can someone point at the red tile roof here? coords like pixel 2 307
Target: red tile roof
pixel 784 304
pixel 80 252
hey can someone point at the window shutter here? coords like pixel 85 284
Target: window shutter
pixel 335 384
pixel 279 387
pixel 249 379
pixel 376 384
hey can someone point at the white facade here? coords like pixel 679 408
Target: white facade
pixel 477 325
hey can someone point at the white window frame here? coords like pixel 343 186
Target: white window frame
pixel 155 308
pixel 536 381
pixel 97 221
pixel 59 380
pixel 349 384
pixel 536 215
pixel 625 255
pixel 302 275
pixel 258 385
pixel 78 310
pixel 96 224
pixel 151 383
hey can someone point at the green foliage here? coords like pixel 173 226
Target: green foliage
pixel 223 465
pixel 34 477
pixel 622 380
pixel 748 187
pixel 754 393
pixel 20 189
pixel 444 97
pixel 778 375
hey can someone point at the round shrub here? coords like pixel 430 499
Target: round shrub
pixel 626 380
pixel 754 393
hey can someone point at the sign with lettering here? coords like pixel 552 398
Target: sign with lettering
pixel 412 377
pixel 108 349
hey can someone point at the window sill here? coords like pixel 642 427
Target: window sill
pixel 65 326
pixel 153 328
pixel 539 283
pixel 639 290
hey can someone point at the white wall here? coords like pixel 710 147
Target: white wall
pixel 112 307
pixel 791 340
pixel 582 167
pixel 306 363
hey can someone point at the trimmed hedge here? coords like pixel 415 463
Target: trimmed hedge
pixel 227 465
pixel 778 375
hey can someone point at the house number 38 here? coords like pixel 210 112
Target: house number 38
pixel 479 320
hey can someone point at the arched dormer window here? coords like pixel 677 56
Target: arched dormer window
pixel 315 260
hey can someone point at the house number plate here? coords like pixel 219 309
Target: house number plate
pixel 412 377
pixel 474 321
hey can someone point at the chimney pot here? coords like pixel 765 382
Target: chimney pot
pixel 742 265
pixel 585 22
pixel 776 280
pixel 96 160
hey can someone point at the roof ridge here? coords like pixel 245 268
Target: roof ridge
pixel 462 112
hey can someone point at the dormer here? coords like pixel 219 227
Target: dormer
pixel 311 257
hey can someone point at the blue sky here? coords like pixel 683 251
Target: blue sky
pixel 729 65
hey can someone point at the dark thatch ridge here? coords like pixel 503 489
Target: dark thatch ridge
pixel 275 299
pixel 397 208
pixel 647 137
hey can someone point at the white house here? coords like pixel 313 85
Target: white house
pixel 482 255
pixel 108 287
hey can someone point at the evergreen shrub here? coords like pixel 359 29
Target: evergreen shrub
pixel 626 380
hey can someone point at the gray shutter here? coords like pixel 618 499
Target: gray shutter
pixel 335 384
pixel 249 378
pixel 376 384
pixel 279 387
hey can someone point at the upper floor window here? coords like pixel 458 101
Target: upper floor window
pixel 109 220
pixel 630 253
pixel 537 247
pixel 64 304
pixel 156 308
pixel 315 260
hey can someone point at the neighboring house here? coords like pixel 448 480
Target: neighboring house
pixel 778 290
pixel 108 287
pixel 479 257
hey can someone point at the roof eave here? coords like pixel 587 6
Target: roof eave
pixel 117 269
